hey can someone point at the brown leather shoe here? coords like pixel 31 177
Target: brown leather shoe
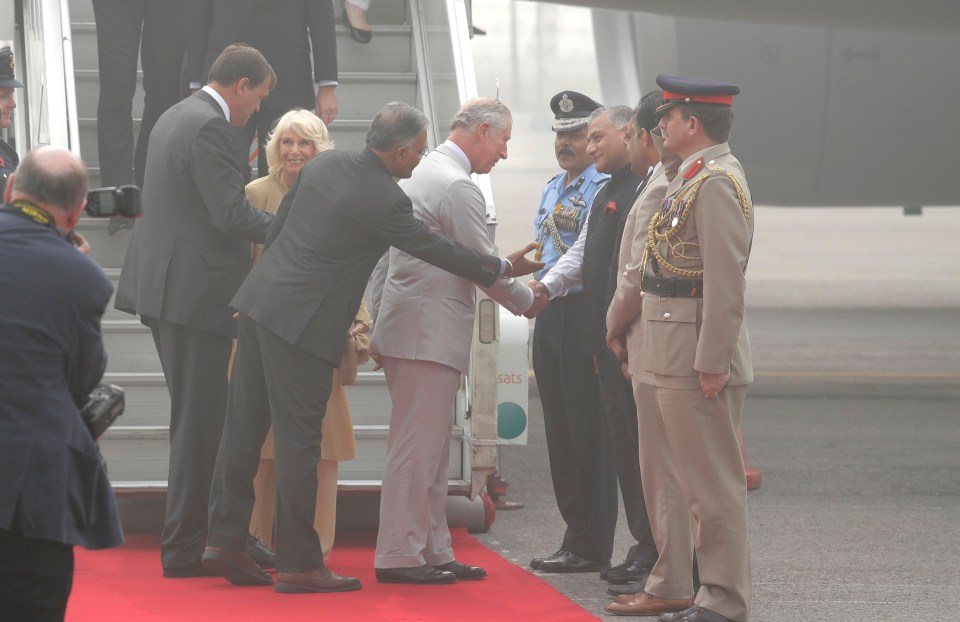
pixel 644 604
pixel 318 580
pixel 236 566
pixel 626 598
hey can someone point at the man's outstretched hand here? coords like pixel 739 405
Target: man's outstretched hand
pixel 521 265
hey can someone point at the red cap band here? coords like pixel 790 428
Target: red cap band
pixel 676 98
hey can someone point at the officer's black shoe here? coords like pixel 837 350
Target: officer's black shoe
pixel 626 589
pixel 264 557
pixel 571 562
pixel 632 572
pixel 676 616
pixel 536 561
pixel 606 573
pixel 699 614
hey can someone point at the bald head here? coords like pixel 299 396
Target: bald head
pixel 52 177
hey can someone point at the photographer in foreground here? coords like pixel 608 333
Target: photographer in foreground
pixel 54 493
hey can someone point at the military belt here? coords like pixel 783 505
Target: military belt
pixel 672 288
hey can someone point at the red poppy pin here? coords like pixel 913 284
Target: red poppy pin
pixel 610 207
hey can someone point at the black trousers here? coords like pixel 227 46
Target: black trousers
pixel 154 30
pixel 581 465
pixel 36 577
pixel 195 365
pixel 274 383
pixel 616 394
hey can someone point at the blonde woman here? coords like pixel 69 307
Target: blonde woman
pixel 299 136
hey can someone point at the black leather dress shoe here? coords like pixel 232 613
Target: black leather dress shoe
pixel 187 571
pixel 676 616
pixel 357 34
pixel 570 562
pixel 700 614
pixel 606 573
pixel 463 572
pixel 418 575
pixel 235 566
pixel 631 573
pixel 264 557
pixel 634 587
pixel 318 580
pixel 536 561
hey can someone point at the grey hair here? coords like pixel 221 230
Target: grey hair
pixel 619 115
pixel 396 124
pixel 480 110
pixel 49 178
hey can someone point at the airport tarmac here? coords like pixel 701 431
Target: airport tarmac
pixel 855 423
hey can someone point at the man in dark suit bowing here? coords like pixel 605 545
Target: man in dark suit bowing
pixel 285 32
pixel 344 211
pixel 187 256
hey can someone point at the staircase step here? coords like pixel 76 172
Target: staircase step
pixel 107 250
pixel 130 346
pixel 389 50
pixel 361 94
pixel 146 397
pixel 141 454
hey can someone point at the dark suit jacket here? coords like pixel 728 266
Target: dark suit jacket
pixel 52 486
pixel 604 228
pixel 342 214
pixel 279 29
pixel 189 251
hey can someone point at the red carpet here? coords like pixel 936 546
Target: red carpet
pixel 125 585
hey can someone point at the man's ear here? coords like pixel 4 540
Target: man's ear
pixel 8 191
pixel 74 216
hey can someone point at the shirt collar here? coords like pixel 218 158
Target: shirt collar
pixel 459 155
pixel 219 99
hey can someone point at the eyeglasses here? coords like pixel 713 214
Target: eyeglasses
pixel 422 153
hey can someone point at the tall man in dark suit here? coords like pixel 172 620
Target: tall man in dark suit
pixel 187 256
pixel 285 32
pixel 54 493
pixel 344 211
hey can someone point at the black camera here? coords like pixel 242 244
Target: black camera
pixel 118 201
pixel 104 405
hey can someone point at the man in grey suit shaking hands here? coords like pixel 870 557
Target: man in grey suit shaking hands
pixel 188 255
pixel 422 340
pixel 296 306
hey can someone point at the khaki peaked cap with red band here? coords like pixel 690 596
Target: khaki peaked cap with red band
pixel 679 90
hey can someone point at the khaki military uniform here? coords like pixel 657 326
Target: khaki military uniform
pixel 690 458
